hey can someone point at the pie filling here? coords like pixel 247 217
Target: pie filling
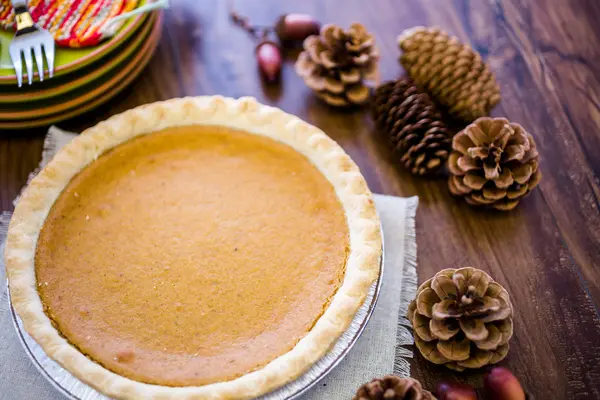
pixel 192 255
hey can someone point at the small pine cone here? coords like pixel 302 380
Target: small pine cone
pixel 493 163
pixel 413 124
pixel 391 387
pixel 336 63
pixel 462 319
pixel 453 73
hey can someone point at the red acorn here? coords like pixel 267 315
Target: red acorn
pixel 296 27
pixel 501 384
pixel 455 391
pixel 269 60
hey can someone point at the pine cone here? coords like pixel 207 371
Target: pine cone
pixel 391 387
pixel 494 162
pixel 462 319
pixel 336 63
pixel 414 126
pixel 453 73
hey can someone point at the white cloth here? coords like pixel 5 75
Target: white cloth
pixel 377 352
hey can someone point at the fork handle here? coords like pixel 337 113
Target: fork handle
pixel 22 15
pixel 19 5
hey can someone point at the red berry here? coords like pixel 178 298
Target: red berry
pixel 455 391
pixel 296 27
pixel 269 59
pixel 501 384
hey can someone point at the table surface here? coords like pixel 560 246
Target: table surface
pixel 546 57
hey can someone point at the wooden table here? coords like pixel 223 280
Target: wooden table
pixel 546 56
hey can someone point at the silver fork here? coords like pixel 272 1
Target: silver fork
pixel 30 37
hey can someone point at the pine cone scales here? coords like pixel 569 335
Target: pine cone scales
pixel 453 73
pixel 494 163
pixel 335 64
pixel 392 388
pixel 462 319
pixel 413 124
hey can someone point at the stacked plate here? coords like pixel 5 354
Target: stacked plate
pixel 84 78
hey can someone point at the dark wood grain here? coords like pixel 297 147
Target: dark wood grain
pixel 546 56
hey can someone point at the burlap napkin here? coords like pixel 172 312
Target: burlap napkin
pixel 379 351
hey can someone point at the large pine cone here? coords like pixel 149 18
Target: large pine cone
pixel 336 63
pixel 413 124
pixel 391 387
pixel 453 73
pixel 462 319
pixel 494 163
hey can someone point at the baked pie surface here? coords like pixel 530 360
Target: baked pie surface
pixel 195 248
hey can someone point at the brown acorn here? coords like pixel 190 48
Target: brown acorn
pixel 296 27
pixel 268 56
pixel 455 391
pixel 501 384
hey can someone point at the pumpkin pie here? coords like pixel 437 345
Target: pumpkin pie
pixel 195 248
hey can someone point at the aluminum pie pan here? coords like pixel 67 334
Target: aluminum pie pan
pixel 74 389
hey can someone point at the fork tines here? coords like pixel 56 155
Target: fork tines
pixel 30 37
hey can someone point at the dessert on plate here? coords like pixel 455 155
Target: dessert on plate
pixel 194 248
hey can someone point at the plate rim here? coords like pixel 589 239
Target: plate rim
pixel 127 66
pixel 86 106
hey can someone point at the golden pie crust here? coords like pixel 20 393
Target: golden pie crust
pixel 310 303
